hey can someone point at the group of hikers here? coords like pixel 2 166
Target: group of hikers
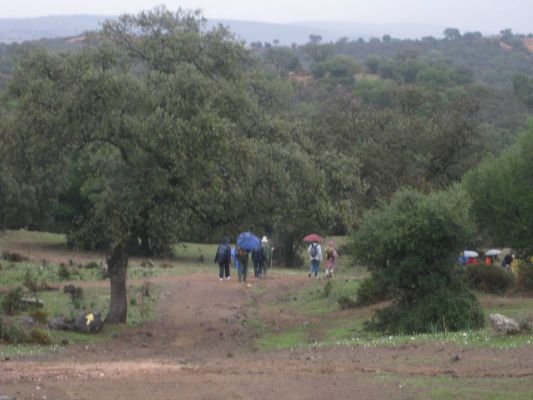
pixel 262 259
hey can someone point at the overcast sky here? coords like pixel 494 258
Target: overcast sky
pixel 484 15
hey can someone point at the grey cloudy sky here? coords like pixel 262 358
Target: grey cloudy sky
pixel 484 15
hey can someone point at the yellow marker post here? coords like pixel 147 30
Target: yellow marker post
pixel 90 318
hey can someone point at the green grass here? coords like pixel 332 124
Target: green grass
pixel 452 388
pixel 324 325
pixel 57 304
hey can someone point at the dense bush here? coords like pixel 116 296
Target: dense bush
pixel 412 242
pixel 446 310
pixel 345 302
pixel 11 333
pixel 40 336
pixel 524 276
pixel 63 272
pixel 489 278
pixel 373 290
pixel 12 302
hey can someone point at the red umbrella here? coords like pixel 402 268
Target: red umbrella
pixel 312 237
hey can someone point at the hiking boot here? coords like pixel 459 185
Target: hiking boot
pixel 309 274
pixel 220 279
pixel 227 278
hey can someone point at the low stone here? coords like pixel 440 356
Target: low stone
pixel 26 321
pixel 33 302
pixel 89 322
pixel 60 324
pixel 8 398
pixel 503 324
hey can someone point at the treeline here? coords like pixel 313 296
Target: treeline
pixel 157 130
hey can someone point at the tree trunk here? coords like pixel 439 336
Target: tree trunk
pixel 117 269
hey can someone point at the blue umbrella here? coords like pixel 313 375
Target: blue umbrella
pixel 248 241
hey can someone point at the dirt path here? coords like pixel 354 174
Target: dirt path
pixel 200 347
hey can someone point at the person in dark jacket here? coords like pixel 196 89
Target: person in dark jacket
pixel 223 258
pixel 258 257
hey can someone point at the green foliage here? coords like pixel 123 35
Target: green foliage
pixel 91 265
pixel 374 289
pixel 489 278
pixel 340 69
pixel 30 282
pixel 412 242
pixel 446 310
pixel 524 276
pixel 500 189
pixel 523 88
pixel 40 336
pixel 12 301
pixel 63 272
pixel 11 333
pixel 346 302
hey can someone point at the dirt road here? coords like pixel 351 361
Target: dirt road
pixel 201 347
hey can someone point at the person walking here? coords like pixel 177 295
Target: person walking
pixel 223 258
pixel 258 258
pixel 331 256
pixel 242 257
pixel 315 255
pixel 267 251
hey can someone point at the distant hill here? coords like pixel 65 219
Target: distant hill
pixel 26 29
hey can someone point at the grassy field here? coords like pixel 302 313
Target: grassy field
pixel 321 323
pixel 316 310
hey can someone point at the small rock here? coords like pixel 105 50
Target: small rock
pixel 503 324
pixel 60 324
pixel 26 321
pixel 90 322
pixel 33 302
pixel 456 357
pixel 8 398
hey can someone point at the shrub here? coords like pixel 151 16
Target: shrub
pixel 524 276
pixel 30 282
pixel 11 333
pixel 440 312
pixel 41 316
pixel 12 302
pixel 373 290
pixel 75 292
pixel 345 302
pixel 63 272
pixel 133 301
pixel 13 256
pixel 411 244
pixel 91 265
pixel 40 336
pixel 489 278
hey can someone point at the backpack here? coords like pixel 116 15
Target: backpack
pixel 241 252
pixel 314 250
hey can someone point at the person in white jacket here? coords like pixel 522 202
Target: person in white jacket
pixel 315 255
